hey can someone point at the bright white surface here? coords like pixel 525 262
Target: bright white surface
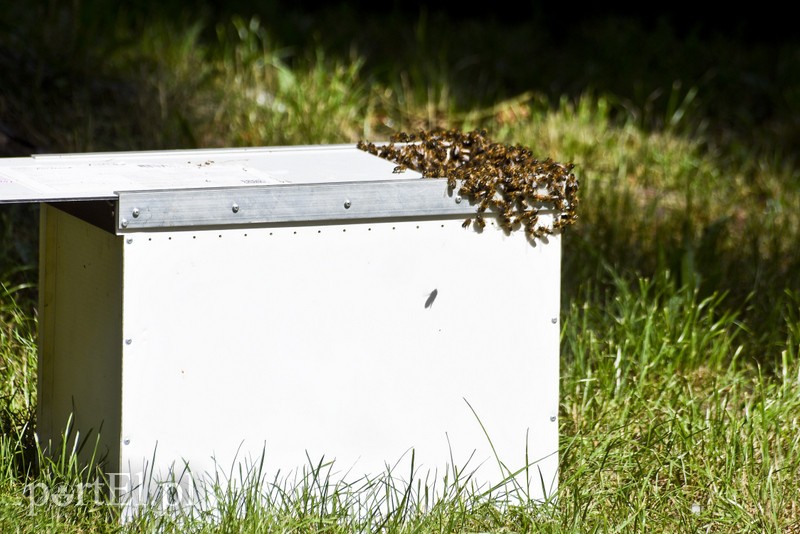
pixel 315 340
pixel 101 175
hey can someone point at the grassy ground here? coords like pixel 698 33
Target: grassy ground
pixel 681 282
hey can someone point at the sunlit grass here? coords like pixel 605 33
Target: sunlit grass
pixel 681 282
pixel 668 425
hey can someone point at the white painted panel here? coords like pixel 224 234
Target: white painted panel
pixel 324 340
pixel 80 323
pixel 101 175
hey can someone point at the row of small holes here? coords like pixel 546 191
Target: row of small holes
pixel 369 229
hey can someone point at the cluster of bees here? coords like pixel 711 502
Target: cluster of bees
pixel 506 180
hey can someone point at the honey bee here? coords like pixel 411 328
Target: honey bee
pixel 506 179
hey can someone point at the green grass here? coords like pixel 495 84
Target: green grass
pixel 664 409
pixel 680 281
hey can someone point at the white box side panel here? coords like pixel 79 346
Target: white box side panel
pixel 356 343
pixel 79 334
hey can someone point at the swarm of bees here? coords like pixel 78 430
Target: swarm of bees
pixel 506 180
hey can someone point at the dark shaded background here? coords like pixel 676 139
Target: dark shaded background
pixel 570 59
pixel 756 22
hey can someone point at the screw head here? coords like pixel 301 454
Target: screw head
pixel 552 418
pixel 128 341
pixel 129 240
pixel 124 223
pixel 126 441
pixel 347 204
pixel 554 320
pixel 458 200
pixel 235 208
pixel 135 212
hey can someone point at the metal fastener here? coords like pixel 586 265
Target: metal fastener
pixel 135 212
pixel 128 341
pixel 347 204
pixel 235 207
pixel 129 240
pixel 458 200
pixel 124 223
pixel 126 441
pixel 552 418
pixel 554 320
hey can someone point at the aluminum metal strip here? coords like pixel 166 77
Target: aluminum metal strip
pixel 246 206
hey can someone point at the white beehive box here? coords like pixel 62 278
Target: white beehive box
pixel 211 306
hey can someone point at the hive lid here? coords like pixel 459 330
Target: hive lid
pixel 101 175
